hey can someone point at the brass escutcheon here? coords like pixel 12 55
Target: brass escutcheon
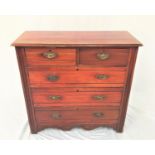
pixel 103 56
pixel 53 77
pixel 49 55
pixel 99 97
pixel 98 114
pixel 102 76
pixel 56 115
pixel 55 97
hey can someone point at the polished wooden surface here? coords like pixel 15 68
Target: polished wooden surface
pixel 90 114
pixel 27 93
pixel 76 97
pixel 76 77
pixel 76 116
pixel 76 38
pixel 117 57
pixel 64 56
pixel 71 72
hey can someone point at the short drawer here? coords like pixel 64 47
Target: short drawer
pixel 53 97
pixel 91 77
pixel 104 57
pixel 50 56
pixel 81 115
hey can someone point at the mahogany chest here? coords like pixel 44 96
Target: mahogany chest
pixel 76 79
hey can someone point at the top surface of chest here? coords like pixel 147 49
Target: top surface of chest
pixel 76 38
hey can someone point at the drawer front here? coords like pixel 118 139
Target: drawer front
pixel 50 56
pixel 52 97
pixel 81 115
pixel 53 77
pixel 106 57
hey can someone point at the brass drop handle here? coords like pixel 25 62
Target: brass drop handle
pixel 55 97
pixel 99 97
pixel 49 55
pixel 53 77
pixel 98 114
pixel 102 56
pixel 56 115
pixel 102 76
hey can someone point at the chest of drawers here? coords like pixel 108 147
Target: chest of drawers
pixel 76 79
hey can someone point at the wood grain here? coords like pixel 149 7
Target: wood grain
pixel 80 116
pixel 43 97
pixel 87 126
pixel 117 57
pixel 77 67
pixel 127 88
pixel 76 38
pixel 76 77
pixel 64 56
pixel 27 94
pixel 76 85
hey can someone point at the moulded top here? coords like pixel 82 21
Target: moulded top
pixel 76 38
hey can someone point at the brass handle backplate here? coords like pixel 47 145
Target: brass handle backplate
pixel 53 77
pixel 55 97
pixel 98 114
pixel 49 55
pixel 56 115
pixel 102 56
pixel 98 97
pixel 102 76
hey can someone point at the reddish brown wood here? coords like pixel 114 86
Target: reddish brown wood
pixel 77 69
pixel 76 85
pixel 43 97
pixel 117 57
pixel 27 94
pixel 80 38
pixel 73 124
pixel 76 77
pixel 64 56
pixel 81 115
pixel 73 68
pixel 78 89
pixel 124 103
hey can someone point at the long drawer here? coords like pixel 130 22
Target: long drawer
pixel 79 115
pixel 68 97
pixel 96 76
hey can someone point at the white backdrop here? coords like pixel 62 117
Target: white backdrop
pixel 140 122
